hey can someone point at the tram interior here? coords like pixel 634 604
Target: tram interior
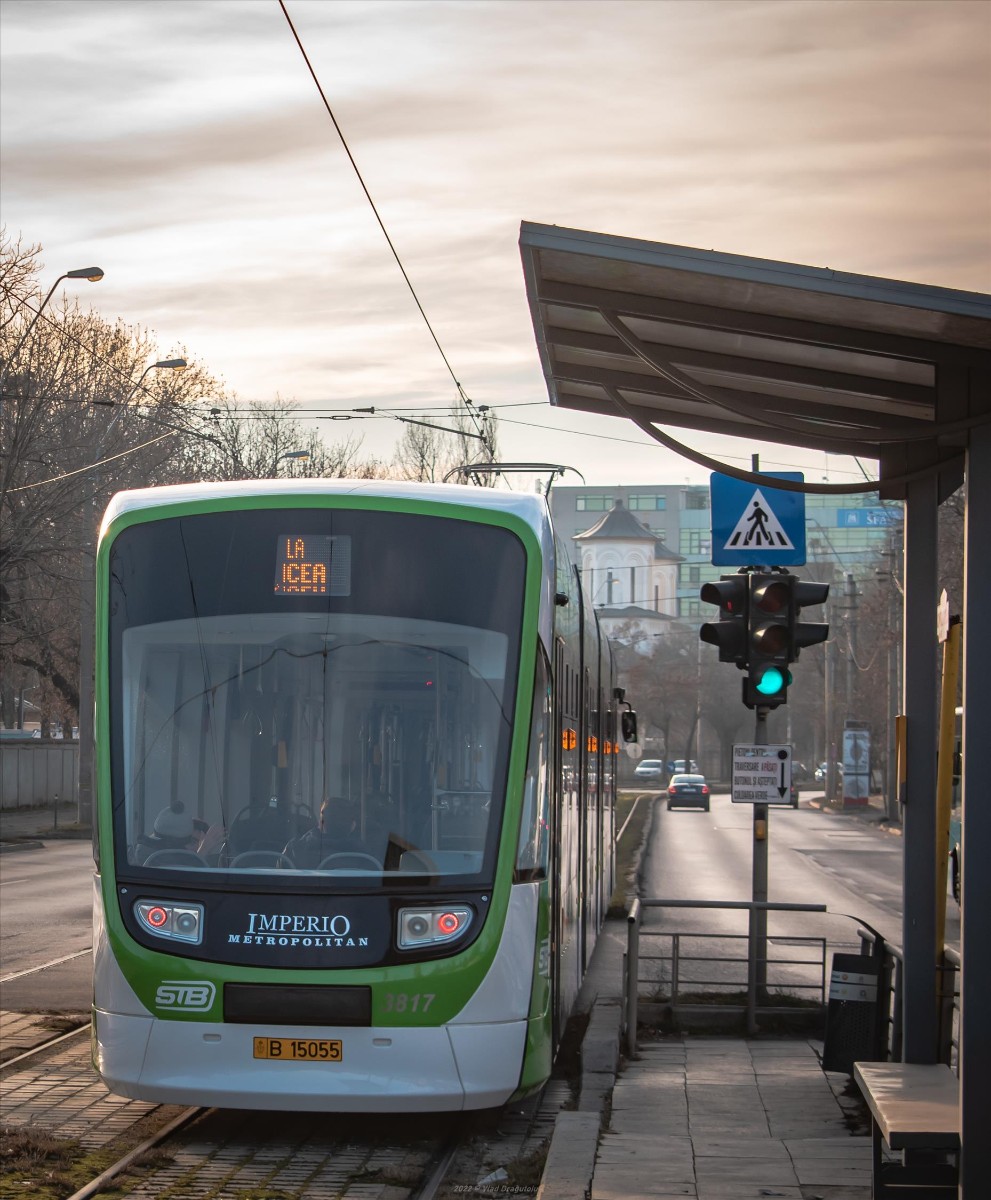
pixel 347 744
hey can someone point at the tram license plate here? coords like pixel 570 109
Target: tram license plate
pixel 299 1049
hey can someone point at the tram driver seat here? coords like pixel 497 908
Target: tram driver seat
pixel 257 829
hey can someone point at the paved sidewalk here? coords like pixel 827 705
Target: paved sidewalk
pixel 25 827
pixel 700 1118
pixel 729 1119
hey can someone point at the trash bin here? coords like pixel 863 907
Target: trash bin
pixel 852 1017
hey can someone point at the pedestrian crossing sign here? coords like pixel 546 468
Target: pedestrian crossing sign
pixel 757 526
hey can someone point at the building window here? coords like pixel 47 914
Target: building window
pixel 695 541
pixel 647 503
pixel 593 503
pixel 697 499
pixel 694 574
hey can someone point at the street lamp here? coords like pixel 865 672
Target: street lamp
pixel 168 364
pixel 299 455
pixel 93 274
pixel 86 618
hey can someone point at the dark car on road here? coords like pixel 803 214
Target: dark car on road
pixel 688 791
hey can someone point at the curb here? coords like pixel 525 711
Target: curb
pixel 869 816
pixel 570 1163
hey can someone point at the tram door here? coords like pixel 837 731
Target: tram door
pixel 567 837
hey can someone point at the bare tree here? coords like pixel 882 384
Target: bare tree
pixel 70 437
pixel 263 441
pixel 85 414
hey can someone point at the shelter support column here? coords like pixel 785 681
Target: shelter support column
pixel 975 915
pixel 920 702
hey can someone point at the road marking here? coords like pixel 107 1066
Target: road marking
pixel 44 966
pixel 7 882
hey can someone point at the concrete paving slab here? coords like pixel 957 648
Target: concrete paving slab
pixel 571 1157
pixel 745 1171
pixel 832 1174
pixel 730 1190
pixel 829 1147
pixel 674 1152
pixel 617 1188
pixel 745 1147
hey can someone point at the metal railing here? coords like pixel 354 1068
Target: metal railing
pixel 760 990
pixel 756 982
pixel 892 967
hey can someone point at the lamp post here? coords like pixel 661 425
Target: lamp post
pixel 93 274
pixel 169 364
pixel 87 633
pixel 298 455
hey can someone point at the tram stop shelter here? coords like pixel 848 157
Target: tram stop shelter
pixel 673 336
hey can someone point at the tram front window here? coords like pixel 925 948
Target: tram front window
pixel 310 740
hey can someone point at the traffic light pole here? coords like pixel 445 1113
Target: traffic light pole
pixel 757 942
pixel 761 632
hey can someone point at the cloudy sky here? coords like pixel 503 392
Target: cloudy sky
pixel 182 146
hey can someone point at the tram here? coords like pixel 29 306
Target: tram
pixel 355 782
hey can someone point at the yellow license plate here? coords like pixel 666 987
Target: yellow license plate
pixel 299 1049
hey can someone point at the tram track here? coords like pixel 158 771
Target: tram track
pixel 336 1170
pixel 224 1154
pixel 43 1047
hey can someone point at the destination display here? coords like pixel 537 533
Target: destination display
pixel 312 564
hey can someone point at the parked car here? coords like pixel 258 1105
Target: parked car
pixel 688 791
pixel 649 768
pixel 680 767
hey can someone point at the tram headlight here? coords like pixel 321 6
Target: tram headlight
pixel 418 927
pixel 170 919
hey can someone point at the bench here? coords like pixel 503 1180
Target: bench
pixel 915 1110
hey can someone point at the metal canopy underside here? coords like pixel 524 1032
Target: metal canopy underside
pixel 764 350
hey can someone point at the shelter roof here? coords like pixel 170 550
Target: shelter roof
pixel 848 364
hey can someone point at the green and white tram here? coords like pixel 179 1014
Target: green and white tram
pixel 356 749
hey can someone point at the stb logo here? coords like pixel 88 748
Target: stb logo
pixel 190 996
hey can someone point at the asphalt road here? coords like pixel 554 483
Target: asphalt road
pixel 814 857
pixel 47 900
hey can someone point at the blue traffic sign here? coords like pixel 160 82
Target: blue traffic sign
pixel 756 526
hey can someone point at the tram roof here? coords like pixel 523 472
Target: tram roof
pixel 755 348
pixel 527 506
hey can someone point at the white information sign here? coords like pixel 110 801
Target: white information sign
pixel 761 774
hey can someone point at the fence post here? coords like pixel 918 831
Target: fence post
pixel 752 972
pixel 632 975
pixel 675 966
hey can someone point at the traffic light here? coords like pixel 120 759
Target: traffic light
pixel 806 633
pixel 769 640
pixel 759 628
pixel 729 633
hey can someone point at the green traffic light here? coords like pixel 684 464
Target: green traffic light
pixel 771 682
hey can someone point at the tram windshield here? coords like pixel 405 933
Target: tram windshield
pixel 357 734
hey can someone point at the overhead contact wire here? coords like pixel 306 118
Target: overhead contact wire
pixel 381 223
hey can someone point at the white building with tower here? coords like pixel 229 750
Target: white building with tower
pixel 630 574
